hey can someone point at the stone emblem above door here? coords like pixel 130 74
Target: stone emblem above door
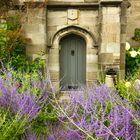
pixel 72 16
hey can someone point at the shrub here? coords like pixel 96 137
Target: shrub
pixel 13 46
pixel 24 111
pixel 99 112
pixel 133 57
pixel 132 63
pixel 65 134
pixel 130 90
pixel 12 42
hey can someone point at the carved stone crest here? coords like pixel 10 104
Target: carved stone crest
pixel 72 14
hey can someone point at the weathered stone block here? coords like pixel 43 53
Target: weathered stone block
pixel 109 18
pixel 56 85
pixel 56 14
pixel 52 28
pixel 92 51
pixel 103 47
pixel 54 51
pixel 53 67
pixel 53 60
pixel 92 58
pixel 42 28
pixel 123 38
pixel 91 76
pixel 113 47
pixel 35 49
pixel 72 22
pixel 106 58
pixel 54 76
pixel 57 21
pixel 92 67
pixel 110 10
pixel 38 38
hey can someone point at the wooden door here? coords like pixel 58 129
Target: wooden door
pixel 72 62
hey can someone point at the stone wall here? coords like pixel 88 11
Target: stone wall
pixel 133 20
pixel 110 36
pixel 78 21
pixel 57 20
pixel 102 25
pixel 35 31
pixel 133 15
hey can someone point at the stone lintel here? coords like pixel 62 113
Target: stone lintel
pixel 56 4
pixel 111 2
pixel 66 5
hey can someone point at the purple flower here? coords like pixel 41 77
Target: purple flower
pixel 102 113
pixel 68 134
pixel 22 103
pixel 29 136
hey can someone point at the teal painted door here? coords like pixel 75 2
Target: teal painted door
pixel 72 62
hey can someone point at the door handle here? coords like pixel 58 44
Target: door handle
pixel 72 52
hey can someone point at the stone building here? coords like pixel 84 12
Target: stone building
pixel 133 20
pixel 79 39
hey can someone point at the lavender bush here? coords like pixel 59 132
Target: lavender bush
pixel 99 112
pixel 19 109
pixel 29 112
pixel 24 106
pixel 64 134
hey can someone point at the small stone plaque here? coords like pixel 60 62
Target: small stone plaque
pixel 72 14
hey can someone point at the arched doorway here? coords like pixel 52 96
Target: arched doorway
pixel 72 60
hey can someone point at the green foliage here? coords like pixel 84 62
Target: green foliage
pixel 12 43
pixel 47 115
pixel 36 65
pixel 12 127
pixel 13 23
pixel 12 47
pixel 132 63
pixel 38 126
pixel 136 36
pixel 128 93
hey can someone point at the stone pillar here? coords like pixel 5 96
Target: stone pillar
pixel 35 29
pixel 109 18
pixel 54 67
pixel 125 4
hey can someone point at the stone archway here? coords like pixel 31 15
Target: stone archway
pixel 91 54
